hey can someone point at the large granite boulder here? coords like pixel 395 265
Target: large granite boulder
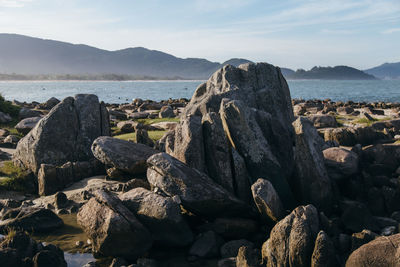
pixel 161 215
pixel 383 251
pixel 125 156
pixel 65 134
pixel 312 182
pixel 247 108
pixel 291 241
pixel 113 229
pixel 198 192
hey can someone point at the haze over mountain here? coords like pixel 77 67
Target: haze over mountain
pixel 386 71
pixel 25 55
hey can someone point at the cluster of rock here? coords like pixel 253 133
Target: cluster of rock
pixel 383 118
pixel 240 163
pixel 241 178
pixel 142 109
pixel 18 249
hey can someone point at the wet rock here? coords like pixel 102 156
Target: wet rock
pixel 340 162
pixel 382 251
pixel 18 249
pixel 65 134
pixel 126 156
pixel 197 191
pixel 312 182
pixel 50 256
pixel 114 230
pixel 33 219
pixel 291 241
pixel 161 215
pixel 267 200
pixel 26 125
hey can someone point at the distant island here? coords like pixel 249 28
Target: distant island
pixel 330 73
pixel 27 58
pixel 386 71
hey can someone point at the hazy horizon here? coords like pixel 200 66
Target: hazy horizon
pixel 294 34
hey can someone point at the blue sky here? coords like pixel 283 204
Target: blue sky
pixel 291 33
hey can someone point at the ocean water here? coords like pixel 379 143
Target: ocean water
pixel 125 91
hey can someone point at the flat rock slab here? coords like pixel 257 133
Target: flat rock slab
pixel 77 190
pixel 123 155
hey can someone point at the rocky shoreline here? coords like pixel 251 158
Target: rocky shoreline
pixel 240 175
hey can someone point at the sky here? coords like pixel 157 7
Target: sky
pixel 286 33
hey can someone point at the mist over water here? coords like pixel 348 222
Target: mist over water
pixel 125 91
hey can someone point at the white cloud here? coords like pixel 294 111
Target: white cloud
pixel 13 3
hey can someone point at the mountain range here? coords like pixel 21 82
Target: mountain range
pixel 386 71
pixel 24 57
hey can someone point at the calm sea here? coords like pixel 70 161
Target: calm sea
pixel 122 92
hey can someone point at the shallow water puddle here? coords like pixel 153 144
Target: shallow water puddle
pixel 66 238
